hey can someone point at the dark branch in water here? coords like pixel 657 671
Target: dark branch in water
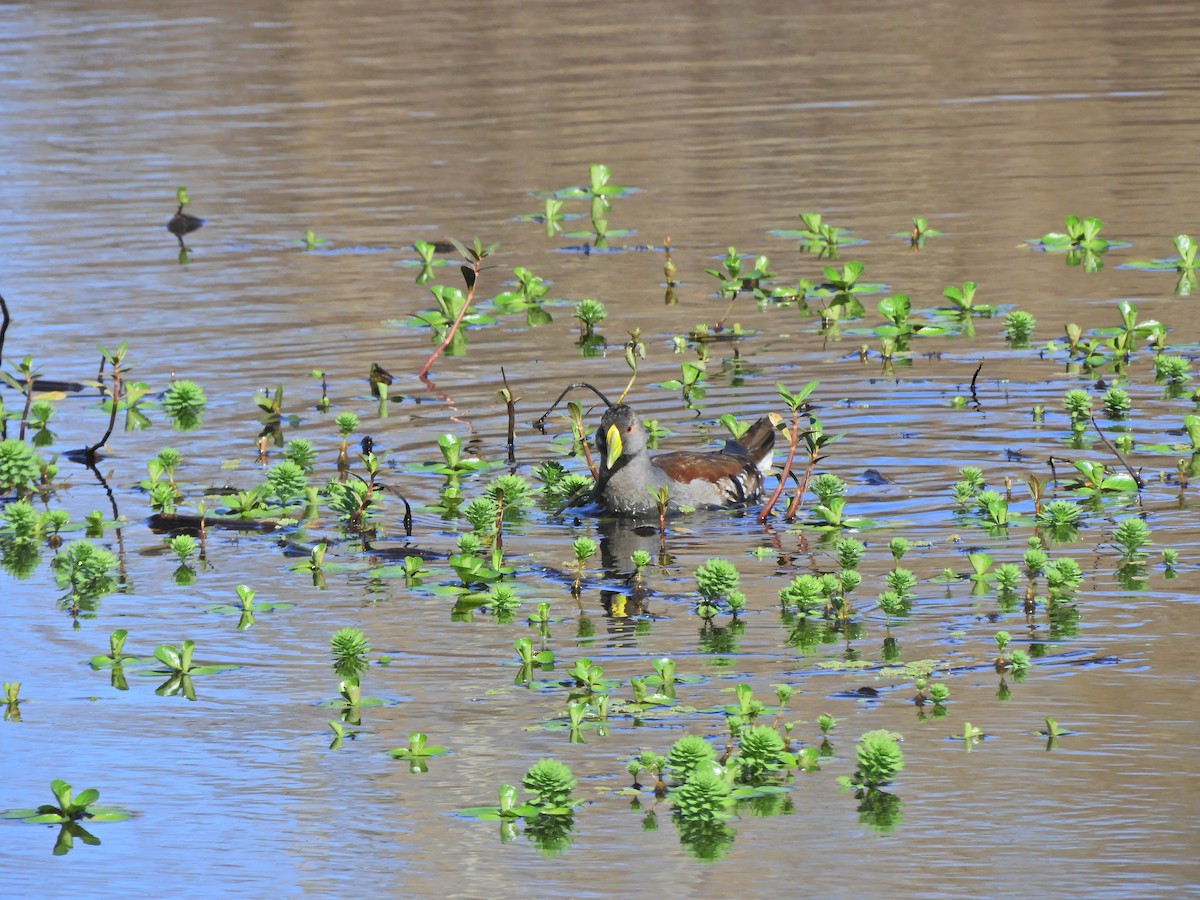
pixel 114 393
pixel 510 404
pixel 3 327
pixel 974 378
pixel 1137 478
pixel 541 421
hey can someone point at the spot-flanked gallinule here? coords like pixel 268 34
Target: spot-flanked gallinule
pixel 729 477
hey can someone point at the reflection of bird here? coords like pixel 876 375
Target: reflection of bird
pixel 730 477
pixel 183 223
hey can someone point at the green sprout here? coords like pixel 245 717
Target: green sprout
pixel 849 552
pixel 804 593
pixel 417 752
pixel 183 546
pixel 12 702
pixel 21 522
pixel 1171 369
pixel 584 549
pixel 286 481
pixel 1019 326
pixel 300 452
pixel 350 648
pixel 184 403
pixel 116 652
pixel 310 241
pixel 1060 513
pixel 1117 403
pixel 590 313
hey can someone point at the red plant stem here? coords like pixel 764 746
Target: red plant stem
pixel 793 439
pixel 581 435
pixel 795 504
pixel 453 326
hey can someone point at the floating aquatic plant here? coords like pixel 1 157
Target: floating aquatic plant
pixel 12 701
pixel 84 568
pixel 71 808
pixel 116 652
pixel 417 752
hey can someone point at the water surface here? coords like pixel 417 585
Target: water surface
pixel 378 127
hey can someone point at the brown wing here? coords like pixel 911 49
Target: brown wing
pixel 711 478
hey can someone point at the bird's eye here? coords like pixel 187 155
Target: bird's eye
pixel 629 429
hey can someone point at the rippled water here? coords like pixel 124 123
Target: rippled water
pixel 377 125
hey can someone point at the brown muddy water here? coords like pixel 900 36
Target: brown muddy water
pixel 377 125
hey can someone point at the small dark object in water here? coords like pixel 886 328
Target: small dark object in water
pixel 380 375
pixel 180 523
pixel 859 693
pixel 730 477
pixel 874 477
pixel 43 384
pixel 183 223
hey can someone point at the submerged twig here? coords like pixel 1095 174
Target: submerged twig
pixel 974 378
pixel 510 405
pixel 3 326
pixel 720 326
pixel 1137 478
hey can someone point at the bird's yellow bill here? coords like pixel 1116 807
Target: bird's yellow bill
pixel 612 440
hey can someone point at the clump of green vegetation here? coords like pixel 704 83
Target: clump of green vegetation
pixel 350 648
pixel 716 582
pixel 1018 327
pixel 704 797
pixel 551 783
pixel 71 808
pixel 880 759
pixel 20 467
pixel 590 313
pixel 184 403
